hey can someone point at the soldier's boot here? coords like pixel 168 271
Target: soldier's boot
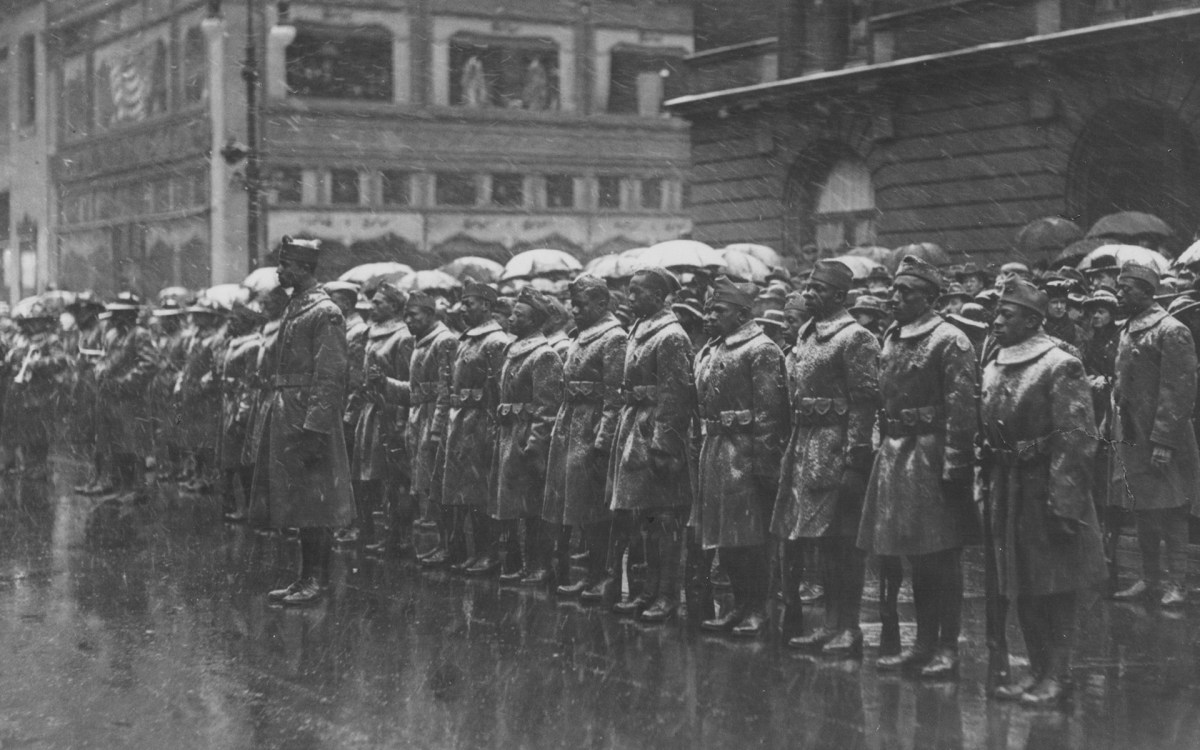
pixel 697 582
pixel 666 569
pixel 891 575
pixel 512 552
pixel 561 568
pixel 1054 689
pixel 539 551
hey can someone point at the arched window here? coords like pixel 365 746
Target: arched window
pixel 829 204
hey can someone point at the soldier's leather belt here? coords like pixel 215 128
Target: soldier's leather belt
pixel 424 393
pixel 729 422
pixel 821 412
pixel 467 398
pixel 511 411
pixel 1022 451
pixel 585 391
pixel 640 395
pixel 923 420
pixel 293 381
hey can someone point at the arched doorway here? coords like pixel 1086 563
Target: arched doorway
pixel 1134 156
pixel 829 204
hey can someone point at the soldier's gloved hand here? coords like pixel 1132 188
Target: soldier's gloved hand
pixel 853 485
pixel 311 446
pixel 1061 529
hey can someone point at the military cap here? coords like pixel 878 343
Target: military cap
pixel 725 290
pixel 795 301
pixel 1025 294
pixel 879 274
pixel 301 251
pixel 169 308
pixel 772 318
pixel 586 282
pixel 987 297
pixel 124 302
pixel 668 280
pixel 868 304
pixel 1146 274
pixel 834 273
pixel 485 292
pixel 1058 288
pixel 394 294
pixel 916 268
pixel 537 300
pixel 421 299
pixel 332 287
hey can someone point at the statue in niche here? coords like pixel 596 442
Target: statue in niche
pixel 474 84
pixel 535 90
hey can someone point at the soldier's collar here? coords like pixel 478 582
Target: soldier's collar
pixel 482 329
pixel 598 329
pixel 386 328
pixel 748 332
pixel 827 328
pixel 1147 318
pixel 1026 351
pixel 521 347
pixel 306 299
pixel 438 329
pixel 647 327
pixel 922 326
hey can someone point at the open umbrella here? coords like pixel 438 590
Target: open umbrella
pixel 179 294
pixel 1189 256
pixel 1048 234
pixel 762 252
pixel 1077 251
pixel 369 272
pixel 613 266
pixel 1130 224
pixel 429 281
pixel 482 270
pixel 25 306
pixel 542 262
pixel 926 251
pixel 881 255
pixel 226 295
pixel 861 266
pixel 262 280
pixel 1126 253
pixel 680 254
pixel 743 266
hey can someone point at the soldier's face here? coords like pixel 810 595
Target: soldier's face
pixel 1133 296
pixel 795 319
pixel 644 298
pixel 382 307
pixel 907 302
pixel 723 318
pixel 523 321
pixel 1014 324
pixel 587 309
pixel 821 298
pixel 419 320
pixel 475 310
pixel 289 272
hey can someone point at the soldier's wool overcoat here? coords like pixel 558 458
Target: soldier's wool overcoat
pixel 123 376
pixel 379 434
pixel 470 441
pixel 357 332
pixel 833 375
pixel 200 390
pixel 928 427
pixel 585 426
pixel 1040 436
pixel 659 399
pixel 309 394
pixel 531 386
pixel 427 395
pixel 35 366
pixel 237 367
pixel 741 391
pixel 1153 395
pixel 263 382
pixel 171 355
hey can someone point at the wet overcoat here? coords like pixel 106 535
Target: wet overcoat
pixel 470 442
pixel 200 390
pixel 241 357
pixel 1153 395
pixel 560 342
pixel 587 420
pixel 531 386
pixel 427 395
pixel 833 376
pixel 123 376
pixel 40 363
pixel 927 380
pixel 309 394
pixel 741 392
pixel 171 355
pixel 1040 436
pixel 83 349
pixel 263 383
pixel 659 398
pixel 357 331
pixel 379 434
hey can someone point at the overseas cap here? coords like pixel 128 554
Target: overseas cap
pixel 1021 292
pixel 834 273
pixel 420 299
pixel 869 304
pixel 482 291
pixel 795 301
pixel 922 270
pixel 662 276
pixel 393 294
pixel 302 251
pixel 1148 274
pixel 332 287
pixel 536 300
pixel 731 293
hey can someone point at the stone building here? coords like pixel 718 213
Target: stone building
pixel 414 130
pixel 849 123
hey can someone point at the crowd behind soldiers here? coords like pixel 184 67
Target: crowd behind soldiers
pixel 667 431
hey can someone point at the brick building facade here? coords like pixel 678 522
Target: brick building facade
pixel 956 123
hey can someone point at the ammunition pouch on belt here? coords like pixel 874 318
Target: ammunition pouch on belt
pixel 730 422
pixel 424 393
pixel 585 391
pixel 640 395
pixel 923 420
pixel 821 412
pixel 1020 452
pixel 467 398
pixel 510 412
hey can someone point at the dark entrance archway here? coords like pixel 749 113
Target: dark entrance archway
pixel 1136 156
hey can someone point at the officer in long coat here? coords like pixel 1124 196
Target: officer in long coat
pixel 833 373
pixel 919 495
pixel 123 375
pixel 378 462
pixel 427 395
pixel 1039 438
pixel 1156 468
pixel 471 430
pixel 531 385
pixel 741 391
pixel 581 443
pixel 236 369
pixel 36 362
pixel 308 467
pixel 648 478
pixel 199 392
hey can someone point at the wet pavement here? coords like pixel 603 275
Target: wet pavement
pixel 145 626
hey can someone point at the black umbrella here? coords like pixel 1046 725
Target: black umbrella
pixel 1130 224
pixel 1048 233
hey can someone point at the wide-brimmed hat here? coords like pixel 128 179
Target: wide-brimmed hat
pixel 955 291
pixel 125 302
pixel 868 303
pixel 169 308
pixel 772 318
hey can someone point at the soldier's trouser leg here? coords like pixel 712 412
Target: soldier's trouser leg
pixel 891 577
pixel 747 568
pixel 698 579
pixel 562 553
pixel 367 496
pixel 1150 538
pixel 1035 629
pixel 620 540
pixel 1110 525
pixel 949 584
pixel 996 615
pixel 455 517
pixel 846 568
pixel 1174 533
pixel 664 542
pixel 595 537
pixel 311 557
pixel 483 535
pixel 510 544
pixel 537 544
pixel 791 573
pixel 929 598
pixel 228 493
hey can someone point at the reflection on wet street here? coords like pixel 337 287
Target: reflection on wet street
pixel 145 626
